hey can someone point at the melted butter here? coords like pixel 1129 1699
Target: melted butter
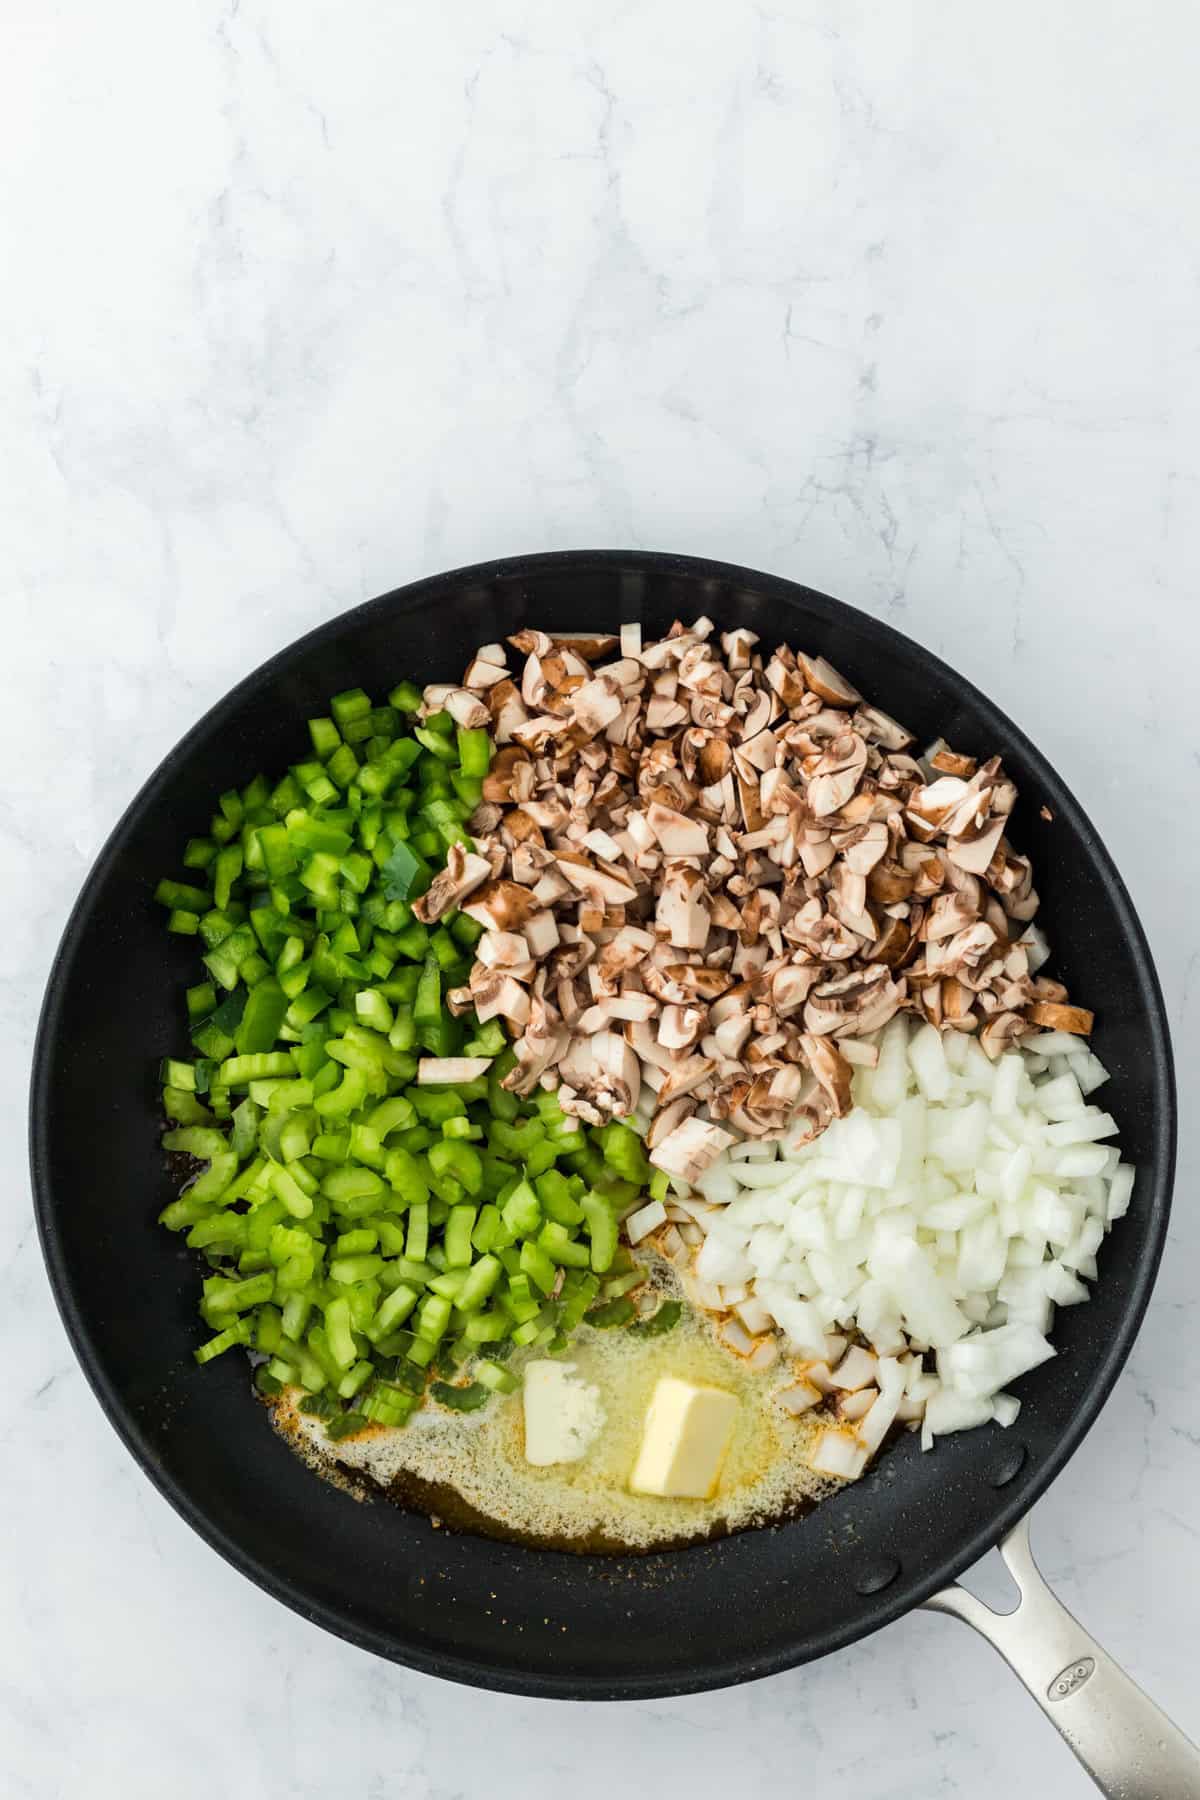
pixel 470 1469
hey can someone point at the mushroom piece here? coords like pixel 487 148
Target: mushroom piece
pixel 832 1071
pixel 500 996
pixel 664 715
pixel 1052 1016
pixel 451 1071
pixel 620 1007
pixel 738 646
pixel 507 710
pixel 463 874
pixel 541 933
pixel 507 950
pixel 863 847
pixel 667 1118
pixel 974 854
pixel 483 674
pixel 861 1002
pixel 602 1069
pixel 682 913
pixel 531 642
pixel 758 715
pixel 929 807
pixel 501 906
pixel 500 782
pixel 791 986
pixel 947 762
pixel 949 914
pixel 600 884
pixel 892 943
pixel 465 708
pixel 785 678
pixel 824 681
pixel 837 774
pixel 690 1148
pixel 964 950
pixel 596 704
pixel 678 835
pixel 647 1048
pixel 880 728
pixel 485 819
pixel 694 978
pixel 679 1027
pixel 586 645
pixel 1002 1030
pixel 685 1077
pixel 731 1035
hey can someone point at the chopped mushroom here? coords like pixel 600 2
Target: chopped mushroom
pixel 1076 1020
pixel 463 873
pixel 718 871
pixel 690 1148
pixel 451 1071
pixel 678 836
pixel 683 907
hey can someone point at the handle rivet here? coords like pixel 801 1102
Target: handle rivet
pixel 875 1575
pixel 1008 1464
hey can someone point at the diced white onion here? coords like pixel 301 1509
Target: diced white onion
pixel 857 1369
pixel 646 1219
pixel 949 1212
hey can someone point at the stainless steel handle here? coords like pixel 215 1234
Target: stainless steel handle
pixel 1129 1748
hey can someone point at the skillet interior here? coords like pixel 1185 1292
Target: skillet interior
pixel 460 1606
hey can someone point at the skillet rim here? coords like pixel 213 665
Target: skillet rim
pixel 903 1595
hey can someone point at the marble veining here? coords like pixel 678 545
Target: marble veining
pixel 303 301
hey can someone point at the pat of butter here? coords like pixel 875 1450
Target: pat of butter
pixel 563 1417
pixel 684 1441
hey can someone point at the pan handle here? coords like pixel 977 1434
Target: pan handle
pixel 1129 1748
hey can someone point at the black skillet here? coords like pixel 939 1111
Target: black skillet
pixel 461 1606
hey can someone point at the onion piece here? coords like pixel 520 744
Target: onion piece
pixel 646 1219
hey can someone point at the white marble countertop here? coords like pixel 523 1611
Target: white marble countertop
pixel 303 301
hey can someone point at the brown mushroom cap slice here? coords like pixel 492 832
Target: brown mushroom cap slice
pixel 587 644
pixel 463 874
pixel 507 710
pixel 858 1003
pixel 832 1071
pixel 1052 1016
pixel 501 906
pixel 824 681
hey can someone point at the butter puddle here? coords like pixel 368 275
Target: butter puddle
pixel 478 1459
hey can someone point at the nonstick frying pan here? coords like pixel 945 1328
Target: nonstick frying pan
pixel 489 1613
